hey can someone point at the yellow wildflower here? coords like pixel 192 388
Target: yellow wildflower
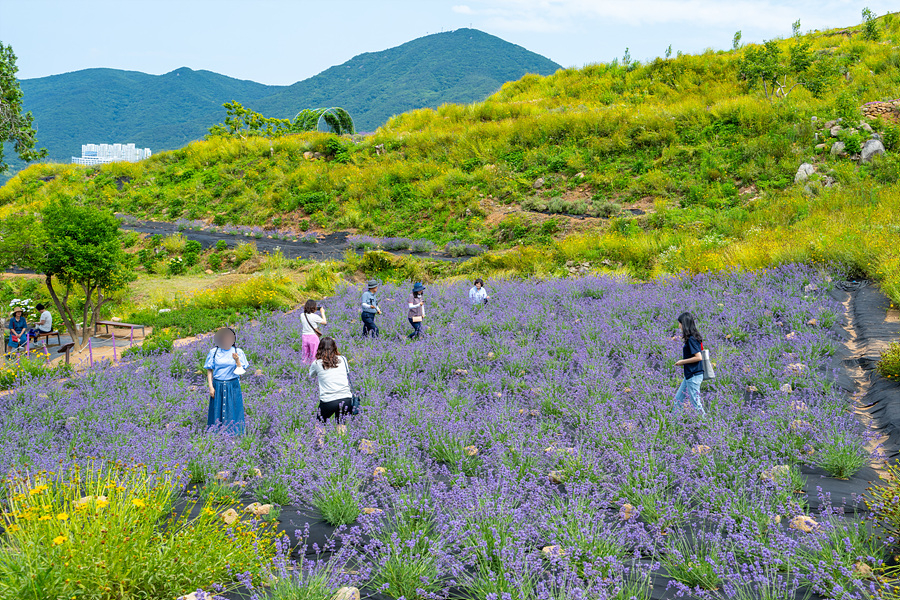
pixel 59 540
pixel 139 503
pixel 62 516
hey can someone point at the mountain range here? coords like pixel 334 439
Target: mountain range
pixel 167 111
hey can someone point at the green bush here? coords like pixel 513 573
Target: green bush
pixel 214 261
pixel 187 321
pixel 161 341
pixel 221 246
pixel 176 265
pixel 889 365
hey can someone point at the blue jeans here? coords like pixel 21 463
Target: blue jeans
pixel 692 387
pixel 417 329
pixel 369 325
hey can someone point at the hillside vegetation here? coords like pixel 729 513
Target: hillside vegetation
pixel 164 112
pixel 688 140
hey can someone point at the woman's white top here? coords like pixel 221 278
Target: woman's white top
pixel 334 384
pixel 315 319
pixel 477 296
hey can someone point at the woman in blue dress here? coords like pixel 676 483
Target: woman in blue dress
pixel 18 327
pixel 224 365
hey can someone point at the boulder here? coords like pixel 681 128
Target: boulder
pixel 786 388
pixel 258 372
pixel 797 368
pixel 799 405
pixel 470 450
pixel 346 593
pixel 556 477
pixel 367 446
pixel 627 512
pixel 835 131
pixel 209 271
pixel 866 127
pixel 797 426
pixel 379 472
pixel 812 322
pixel 776 473
pixel 553 551
pixel 369 510
pixel 803 523
pixel 538 183
pixel 258 510
pixel 838 148
pixel 579 175
pixel 223 476
pixel 791 336
pixel 700 449
pixel 870 150
pixel 804 172
pixel 230 516
pixel 863 571
pixel 829 124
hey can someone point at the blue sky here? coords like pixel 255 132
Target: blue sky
pixel 280 42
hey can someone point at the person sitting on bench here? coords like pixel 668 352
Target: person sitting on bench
pixel 44 325
pixel 18 327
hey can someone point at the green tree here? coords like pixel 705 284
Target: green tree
pixel 779 75
pixel 243 123
pixel 736 40
pixel 75 248
pixel 15 126
pixel 870 25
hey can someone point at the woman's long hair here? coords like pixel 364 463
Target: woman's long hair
pixel 310 306
pixel 328 352
pixel 689 327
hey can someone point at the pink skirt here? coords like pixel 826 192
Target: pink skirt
pixel 310 347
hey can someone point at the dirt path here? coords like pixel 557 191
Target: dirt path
pixel 872 325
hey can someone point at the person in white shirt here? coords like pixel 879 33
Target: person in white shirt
pixel 478 295
pixel 313 316
pixel 416 313
pixel 333 375
pixel 44 324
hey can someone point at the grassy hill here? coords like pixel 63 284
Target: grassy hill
pixel 164 112
pixel 687 141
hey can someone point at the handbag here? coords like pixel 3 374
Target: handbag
pixel 315 329
pixel 417 319
pixel 709 373
pixel 355 399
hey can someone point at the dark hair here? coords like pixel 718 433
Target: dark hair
pixel 310 306
pixel 40 307
pixel 477 281
pixel 328 352
pixel 689 327
pixel 234 344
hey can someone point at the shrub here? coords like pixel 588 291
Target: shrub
pixel 261 291
pixel 175 243
pixel 176 265
pixel 244 252
pixel 28 367
pixel 841 457
pixel 889 365
pixel 120 517
pixel 221 246
pixel 186 321
pixel 214 261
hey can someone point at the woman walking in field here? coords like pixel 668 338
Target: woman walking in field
pixel 333 375
pixel 313 316
pixel 416 306
pixel 692 362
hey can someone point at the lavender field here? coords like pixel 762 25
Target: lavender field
pixel 529 449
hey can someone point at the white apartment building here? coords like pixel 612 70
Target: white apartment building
pixel 96 154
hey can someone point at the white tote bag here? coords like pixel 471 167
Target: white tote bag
pixel 709 373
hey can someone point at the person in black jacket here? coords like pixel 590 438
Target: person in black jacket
pixel 692 362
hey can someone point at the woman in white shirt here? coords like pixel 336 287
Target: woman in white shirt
pixel 330 369
pixel 313 316
pixel 478 295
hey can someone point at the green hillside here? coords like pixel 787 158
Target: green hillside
pixel 164 112
pixel 461 66
pixel 688 141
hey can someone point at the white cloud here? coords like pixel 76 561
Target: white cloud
pixel 766 15
pixel 463 9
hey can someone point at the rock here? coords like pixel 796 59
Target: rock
pixel 164 310
pixel 256 472
pixel 194 596
pixel 799 405
pixel 627 512
pixel 870 150
pixel 258 372
pixel 812 322
pixel 797 368
pixel 835 131
pixel 626 390
pixel 838 148
pixel 866 127
pixel 258 510
pixel 769 313
pixel 776 473
pixel 209 271
pixel 379 472
pixel 863 571
pixel 372 511
pixel 821 146
pixel 491 355
pixel 556 477
pixel 804 172
pixel 791 336
pixel 552 551
pixel 223 476
pixel 798 426
pixel 308 155
pixel 700 449
pixel 367 446
pixel 830 124
pixel 346 593
pixel 230 516
pixel 776 520
pixel 470 450
pixel 379 149
pixel 786 388
pixel 538 183
pixel 579 175
pixel 461 372
pixel 498 394
pixel 803 523
pixel 810 288
pixel 341 429
pixel 752 389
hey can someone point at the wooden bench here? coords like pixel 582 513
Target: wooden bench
pixel 48 335
pixel 130 326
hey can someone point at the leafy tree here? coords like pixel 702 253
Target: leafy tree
pixel 736 40
pixel 74 247
pixel 870 25
pixel 795 28
pixel 15 126
pixel 779 75
pixel 243 122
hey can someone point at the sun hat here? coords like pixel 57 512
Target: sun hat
pixel 418 287
pixel 373 283
pixel 17 309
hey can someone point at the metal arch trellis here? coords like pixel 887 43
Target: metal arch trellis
pixel 333 119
